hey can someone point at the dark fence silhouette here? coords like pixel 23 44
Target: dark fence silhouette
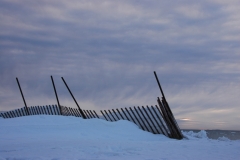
pixel 146 118
pixel 33 110
pixel 150 118
pixel 47 110
pixel 155 119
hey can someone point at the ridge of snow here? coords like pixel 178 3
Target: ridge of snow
pixel 66 137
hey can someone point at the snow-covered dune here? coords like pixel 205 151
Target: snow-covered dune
pixel 62 137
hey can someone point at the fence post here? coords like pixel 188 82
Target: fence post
pixel 95 114
pixel 125 115
pixel 112 115
pixel 40 109
pixel 14 113
pixel 136 118
pixel 141 119
pixel 115 114
pixel 19 112
pixel 85 113
pixel 172 119
pixel 104 115
pixel 120 114
pixel 130 115
pixel 8 115
pixel 150 119
pixel 146 119
pixel 89 114
pixel 77 112
pixel 159 84
pixel 174 126
pixel 26 108
pixel 83 116
pixel 24 113
pixel 92 114
pixel 166 118
pixel 56 95
pixel 155 120
pixel 38 113
pixel 108 115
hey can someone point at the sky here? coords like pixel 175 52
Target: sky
pixel 107 51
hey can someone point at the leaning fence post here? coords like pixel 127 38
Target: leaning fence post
pixel 108 115
pixel 125 115
pixel 24 113
pixel 159 85
pixel 26 108
pixel 8 115
pixel 83 115
pixel 2 115
pixel 119 113
pixel 104 115
pixel 136 118
pixel 89 114
pixel 77 112
pixel 150 119
pixel 115 114
pixel 174 126
pixel 14 113
pixel 130 115
pixel 112 115
pixel 92 114
pixel 166 118
pixel 146 119
pixel 5 113
pixel 56 95
pixel 141 119
pixel 172 119
pixel 155 120
pixel 95 114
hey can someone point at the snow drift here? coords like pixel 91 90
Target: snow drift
pixel 66 137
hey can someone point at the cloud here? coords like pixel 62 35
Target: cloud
pixel 192 11
pixel 107 52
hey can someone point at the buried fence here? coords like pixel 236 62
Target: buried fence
pixel 147 118
pixel 33 110
pixel 150 118
pixel 157 119
pixel 45 110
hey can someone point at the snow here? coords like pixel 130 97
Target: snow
pixel 192 135
pixel 66 137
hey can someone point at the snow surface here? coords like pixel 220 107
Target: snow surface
pixel 62 137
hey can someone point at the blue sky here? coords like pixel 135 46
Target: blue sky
pixel 107 52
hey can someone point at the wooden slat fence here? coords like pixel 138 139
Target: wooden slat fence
pixel 48 110
pixel 146 118
pixel 155 119
pixel 33 110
